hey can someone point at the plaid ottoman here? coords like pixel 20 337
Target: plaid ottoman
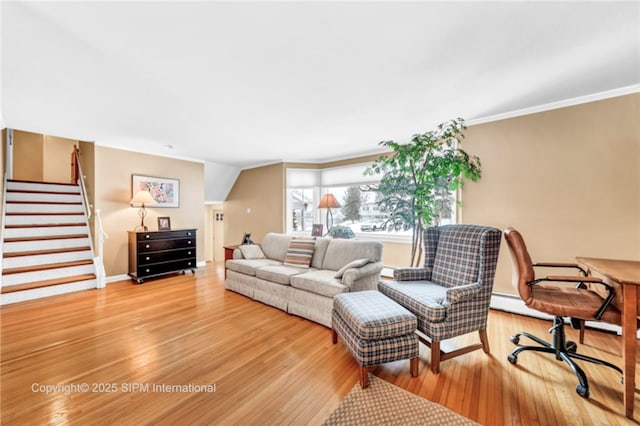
pixel 375 329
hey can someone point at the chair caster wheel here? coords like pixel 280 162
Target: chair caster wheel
pixel 571 347
pixel 512 359
pixel 582 391
pixel 515 339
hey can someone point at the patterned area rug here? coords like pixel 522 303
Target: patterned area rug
pixel 385 404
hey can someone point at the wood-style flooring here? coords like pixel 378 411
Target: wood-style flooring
pixel 183 350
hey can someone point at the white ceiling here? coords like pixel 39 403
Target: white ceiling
pixel 249 83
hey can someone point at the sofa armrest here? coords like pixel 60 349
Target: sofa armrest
pixel 237 254
pixel 363 278
pixel 461 293
pixel 412 274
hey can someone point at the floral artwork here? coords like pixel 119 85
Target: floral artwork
pixel 166 192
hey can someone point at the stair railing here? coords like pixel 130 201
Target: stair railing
pixel 78 176
pixel 3 222
pixel 98 261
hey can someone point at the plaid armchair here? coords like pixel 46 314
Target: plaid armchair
pixel 451 293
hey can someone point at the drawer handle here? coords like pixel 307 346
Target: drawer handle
pixel 147 246
pixel 146 236
pixel 188 252
pixel 188 263
pixel 147 270
pixel 189 242
pixel 189 233
pixel 147 258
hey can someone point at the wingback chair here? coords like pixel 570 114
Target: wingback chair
pixel 451 293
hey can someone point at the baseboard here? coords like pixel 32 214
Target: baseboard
pixel 515 305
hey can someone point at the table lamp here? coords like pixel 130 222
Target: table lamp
pixel 140 199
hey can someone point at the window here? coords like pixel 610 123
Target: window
pixel 355 193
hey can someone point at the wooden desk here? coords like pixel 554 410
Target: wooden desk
pixel 627 274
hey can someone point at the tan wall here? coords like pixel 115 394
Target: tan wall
pixel 56 159
pixel 28 153
pixel 113 192
pixel 256 204
pixel 568 179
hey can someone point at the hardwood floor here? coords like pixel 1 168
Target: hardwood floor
pixel 237 361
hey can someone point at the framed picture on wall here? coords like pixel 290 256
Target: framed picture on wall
pixel 164 223
pixel 165 191
pixel 316 230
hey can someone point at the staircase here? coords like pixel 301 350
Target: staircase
pixel 46 248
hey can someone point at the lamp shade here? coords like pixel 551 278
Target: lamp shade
pixel 328 201
pixel 142 198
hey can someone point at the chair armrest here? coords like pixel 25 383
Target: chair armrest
pixel 582 280
pixel 461 293
pixel 561 265
pixel 370 270
pixel 412 274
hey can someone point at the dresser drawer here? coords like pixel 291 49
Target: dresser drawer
pixel 164 267
pixel 166 235
pixel 154 245
pixel 164 256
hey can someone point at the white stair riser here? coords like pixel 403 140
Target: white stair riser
pixel 36 293
pixel 45 245
pixel 45 231
pixel 44 208
pixel 43 219
pixel 49 274
pixel 45 259
pixel 50 187
pixel 48 198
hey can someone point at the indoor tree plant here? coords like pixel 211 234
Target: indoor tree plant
pixel 418 179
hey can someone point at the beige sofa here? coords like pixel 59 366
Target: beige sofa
pixel 336 266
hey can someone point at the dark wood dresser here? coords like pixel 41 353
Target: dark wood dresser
pixel 154 253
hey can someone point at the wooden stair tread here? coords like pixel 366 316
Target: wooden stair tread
pixel 44 214
pixel 35 191
pixel 43 238
pixel 40 182
pixel 47 283
pixel 51 251
pixel 45 202
pixel 44 225
pixel 35 268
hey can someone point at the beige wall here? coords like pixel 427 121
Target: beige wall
pixel 568 179
pixel 256 204
pixel 28 153
pixel 56 159
pixel 113 172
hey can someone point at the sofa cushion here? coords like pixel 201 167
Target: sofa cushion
pixel 355 264
pixel 320 282
pixel 319 252
pixel 300 252
pixel 340 252
pixel 279 273
pixel 249 266
pixel 251 251
pixel 423 298
pixel 275 246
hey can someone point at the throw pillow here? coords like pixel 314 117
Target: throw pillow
pixel 251 251
pixel 300 252
pixel 354 264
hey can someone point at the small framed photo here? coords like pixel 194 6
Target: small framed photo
pixel 316 230
pixel 164 223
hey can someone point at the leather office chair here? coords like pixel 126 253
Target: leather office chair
pixel 560 296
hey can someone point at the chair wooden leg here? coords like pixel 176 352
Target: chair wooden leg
pixel 334 336
pixel 413 366
pixel 364 377
pixel 435 357
pixel 582 327
pixel 485 340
